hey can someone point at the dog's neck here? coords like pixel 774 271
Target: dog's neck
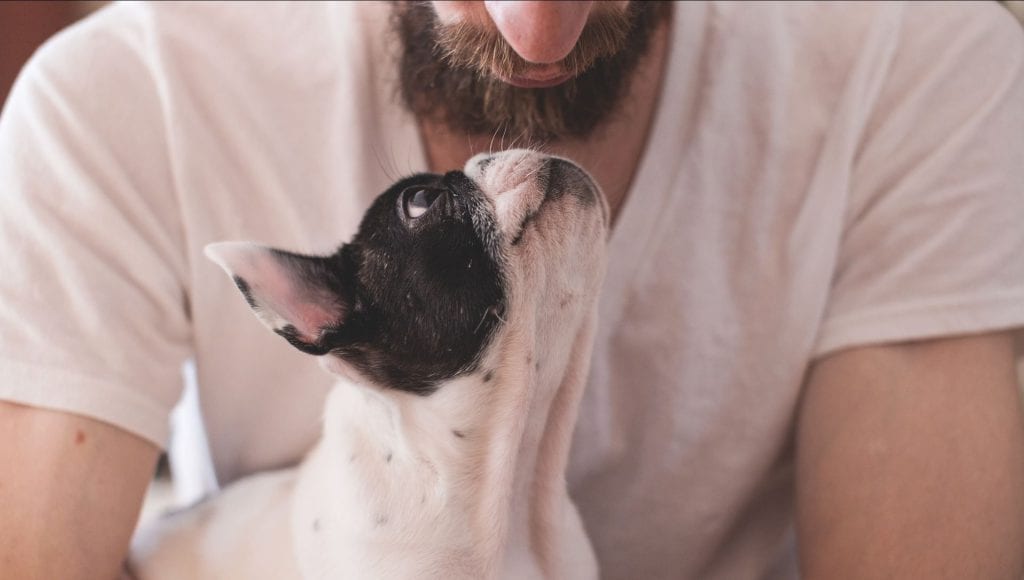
pixel 489 449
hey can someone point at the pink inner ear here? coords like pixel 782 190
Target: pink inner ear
pixel 306 309
pixel 281 297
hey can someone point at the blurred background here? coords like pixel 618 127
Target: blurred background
pixel 26 25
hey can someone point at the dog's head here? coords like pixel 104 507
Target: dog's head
pixel 440 263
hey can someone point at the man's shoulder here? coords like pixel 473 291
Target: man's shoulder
pixel 268 29
pixel 174 39
pixel 231 22
pixel 839 27
pixel 845 32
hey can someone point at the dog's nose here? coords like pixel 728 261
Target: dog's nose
pixel 509 167
pixel 511 180
pixel 513 177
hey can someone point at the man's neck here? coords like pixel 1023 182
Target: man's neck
pixel 611 155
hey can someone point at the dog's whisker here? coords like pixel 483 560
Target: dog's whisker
pixel 490 146
pixel 516 140
pixel 387 169
pixel 481 323
pixel 534 171
pixel 494 311
pixel 504 138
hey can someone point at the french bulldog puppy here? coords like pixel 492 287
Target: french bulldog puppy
pixel 459 322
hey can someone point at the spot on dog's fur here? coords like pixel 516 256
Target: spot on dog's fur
pixel 381 519
pixel 316 525
pixel 79 437
pixel 488 376
pixel 387 457
pixel 458 434
pixel 352 458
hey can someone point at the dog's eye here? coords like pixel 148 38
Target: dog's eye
pixel 417 200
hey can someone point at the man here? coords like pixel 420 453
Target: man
pixel 815 269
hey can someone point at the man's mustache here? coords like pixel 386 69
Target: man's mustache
pixel 483 49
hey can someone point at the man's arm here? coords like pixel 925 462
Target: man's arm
pixel 70 492
pixel 910 463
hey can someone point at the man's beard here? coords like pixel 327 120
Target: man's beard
pixel 447 74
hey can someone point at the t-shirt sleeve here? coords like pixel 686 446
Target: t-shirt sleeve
pixel 93 315
pixel 933 243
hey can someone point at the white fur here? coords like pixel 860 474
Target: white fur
pixel 466 483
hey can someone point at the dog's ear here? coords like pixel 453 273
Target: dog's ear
pixel 298 297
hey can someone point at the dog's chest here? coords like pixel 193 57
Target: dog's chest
pixel 379 483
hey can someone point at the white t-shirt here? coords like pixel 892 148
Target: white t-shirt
pixel 818 177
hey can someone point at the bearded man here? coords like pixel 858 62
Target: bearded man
pixel 804 366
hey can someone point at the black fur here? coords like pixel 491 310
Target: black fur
pixel 243 287
pixel 414 296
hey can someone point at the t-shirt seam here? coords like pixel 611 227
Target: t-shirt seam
pixel 909 308
pixel 39 393
pixel 959 315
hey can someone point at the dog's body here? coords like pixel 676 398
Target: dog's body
pixel 446 438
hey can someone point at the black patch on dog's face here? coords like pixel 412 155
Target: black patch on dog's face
pixel 419 292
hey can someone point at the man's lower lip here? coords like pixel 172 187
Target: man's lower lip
pixel 528 83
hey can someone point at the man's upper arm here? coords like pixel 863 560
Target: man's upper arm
pixel 93 319
pixel 910 445
pixel 910 462
pixel 70 493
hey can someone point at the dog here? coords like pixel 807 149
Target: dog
pixel 459 321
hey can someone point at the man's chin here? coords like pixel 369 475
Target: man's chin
pixel 542 103
pixel 537 82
